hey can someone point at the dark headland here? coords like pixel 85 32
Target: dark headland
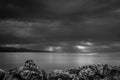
pixel 12 49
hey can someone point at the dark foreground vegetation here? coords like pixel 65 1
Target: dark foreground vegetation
pixel 30 71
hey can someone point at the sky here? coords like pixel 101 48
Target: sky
pixel 51 22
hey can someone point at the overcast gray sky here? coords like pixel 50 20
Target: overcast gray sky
pixel 54 21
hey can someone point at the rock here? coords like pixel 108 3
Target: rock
pixel 60 75
pixel 30 71
pixel 2 74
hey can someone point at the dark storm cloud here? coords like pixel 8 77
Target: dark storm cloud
pixel 55 8
pixel 106 29
pixel 19 8
pixel 59 20
pixel 27 31
pixel 80 6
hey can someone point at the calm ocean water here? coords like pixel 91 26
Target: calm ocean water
pixel 51 61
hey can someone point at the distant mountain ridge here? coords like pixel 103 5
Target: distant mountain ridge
pixel 13 49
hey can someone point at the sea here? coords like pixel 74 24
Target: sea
pixel 52 61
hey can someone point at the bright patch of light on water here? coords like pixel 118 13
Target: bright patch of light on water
pixel 86 58
pixel 91 54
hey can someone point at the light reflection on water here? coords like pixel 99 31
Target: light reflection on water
pixel 50 61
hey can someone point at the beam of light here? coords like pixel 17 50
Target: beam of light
pixel 88 43
pixel 50 48
pixel 82 48
pixel 58 48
